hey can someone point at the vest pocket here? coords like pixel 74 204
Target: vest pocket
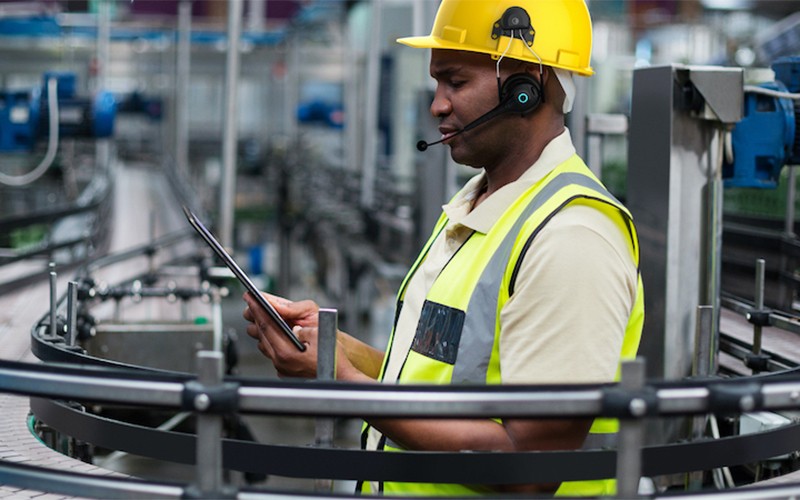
pixel 439 332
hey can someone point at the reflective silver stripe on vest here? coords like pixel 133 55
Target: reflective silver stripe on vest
pixel 477 337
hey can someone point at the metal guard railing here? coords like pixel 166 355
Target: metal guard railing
pixel 230 395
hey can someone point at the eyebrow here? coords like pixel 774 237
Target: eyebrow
pixel 445 70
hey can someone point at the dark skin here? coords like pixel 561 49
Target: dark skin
pixel 466 88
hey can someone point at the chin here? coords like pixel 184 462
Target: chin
pixel 463 158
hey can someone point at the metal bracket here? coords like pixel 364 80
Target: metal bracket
pixel 211 399
pixel 514 19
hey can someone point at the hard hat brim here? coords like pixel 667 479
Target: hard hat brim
pixel 426 42
pixel 433 42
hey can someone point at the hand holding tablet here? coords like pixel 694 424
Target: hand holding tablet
pixel 243 278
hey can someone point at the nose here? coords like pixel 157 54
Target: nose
pixel 441 105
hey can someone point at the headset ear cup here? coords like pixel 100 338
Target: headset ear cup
pixel 521 93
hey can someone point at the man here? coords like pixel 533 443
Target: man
pixel 531 274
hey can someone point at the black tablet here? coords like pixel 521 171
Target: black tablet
pixel 245 280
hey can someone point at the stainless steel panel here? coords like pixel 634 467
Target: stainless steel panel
pixel 167 346
pixel 671 163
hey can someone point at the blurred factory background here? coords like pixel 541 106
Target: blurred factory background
pixel 297 142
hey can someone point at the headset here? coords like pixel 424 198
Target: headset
pixel 521 93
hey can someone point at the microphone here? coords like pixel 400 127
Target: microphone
pixel 498 110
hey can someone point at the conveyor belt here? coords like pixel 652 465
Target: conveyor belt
pixel 784 343
pixel 18 445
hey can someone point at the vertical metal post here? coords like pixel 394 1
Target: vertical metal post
pixel 369 158
pixel 231 124
pixel 256 15
pixel 103 42
pixel 72 313
pixel 594 153
pixel 53 300
pixel 631 432
pixel 182 76
pixel 151 253
pixel 713 236
pixel 759 304
pixel 326 371
pixel 704 364
pixel 787 263
pixel 705 343
pixel 216 312
pixel 791 192
pixel 209 426
pixel 103 147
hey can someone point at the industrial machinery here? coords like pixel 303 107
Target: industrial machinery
pixel 51 111
pixel 767 137
pixel 26 116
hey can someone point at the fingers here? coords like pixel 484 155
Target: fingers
pixel 274 344
pixel 262 327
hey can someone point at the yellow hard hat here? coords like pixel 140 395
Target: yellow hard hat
pixel 557 31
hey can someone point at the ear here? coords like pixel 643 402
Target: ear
pixel 538 71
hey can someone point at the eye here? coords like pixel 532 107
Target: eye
pixel 457 83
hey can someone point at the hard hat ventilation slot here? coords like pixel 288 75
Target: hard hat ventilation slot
pixel 514 20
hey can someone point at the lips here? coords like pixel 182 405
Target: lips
pixel 447 133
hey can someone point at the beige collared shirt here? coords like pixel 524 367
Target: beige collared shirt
pixel 576 287
pixel 575 290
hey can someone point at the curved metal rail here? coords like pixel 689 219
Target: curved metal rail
pixel 233 395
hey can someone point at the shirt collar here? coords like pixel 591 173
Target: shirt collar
pixel 483 217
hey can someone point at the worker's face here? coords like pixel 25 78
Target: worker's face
pixel 466 88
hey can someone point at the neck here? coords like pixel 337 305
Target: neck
pixel 511 167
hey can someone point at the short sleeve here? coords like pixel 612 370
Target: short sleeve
pixel 572 299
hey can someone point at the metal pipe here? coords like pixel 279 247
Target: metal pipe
pixel 759 304
pixel 366 402
pixel 631 432
pixel 209 426
pixel 230 125
pixel 151 255
pixel 216 312
pixel 103 42
pixel 326 372
pixel 705 343
pixel 72 312
pixel 714 225
pixel 705 350
pixel 712 229
pixel 787 263
pixel 370 156
pixel 326 347
pixel 256 15
pixel 791 193
pixel 91 387
pixel 73 484
pixel 183 54
pixel 53 301
pixel 103 146
pixel 418 17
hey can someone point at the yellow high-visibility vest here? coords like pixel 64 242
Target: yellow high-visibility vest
pixel 458 334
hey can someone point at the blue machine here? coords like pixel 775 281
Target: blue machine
pixel 767 138
pixel 24 115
